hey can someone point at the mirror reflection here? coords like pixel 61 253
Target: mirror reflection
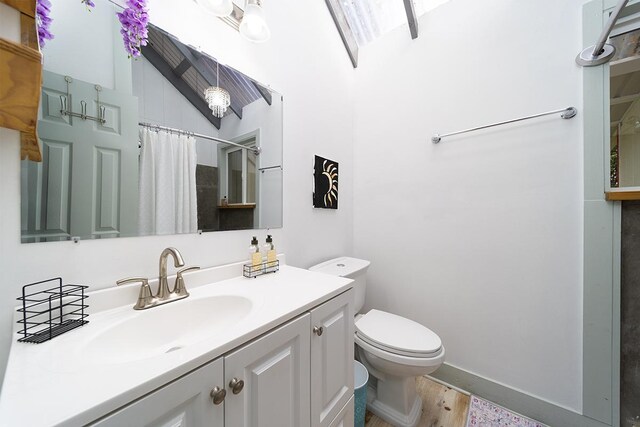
pixel 170 142
pixel 625 111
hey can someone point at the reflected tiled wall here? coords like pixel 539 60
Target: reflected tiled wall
pixel 630 316
pixel 210 217
pixel 207 193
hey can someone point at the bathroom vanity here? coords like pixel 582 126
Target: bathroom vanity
pixel 276 350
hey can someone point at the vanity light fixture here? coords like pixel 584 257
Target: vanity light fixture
pixel 254 25
pixel 217 7
pixel 217 98
pixel 250 22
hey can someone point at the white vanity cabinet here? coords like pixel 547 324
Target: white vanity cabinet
pixel 331 358
pixel 346 417
pixel 186 402
pixel 299 374
pixel 275 374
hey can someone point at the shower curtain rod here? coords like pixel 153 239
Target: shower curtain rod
pixel 601 52
pixel 567 113
pixel 256 150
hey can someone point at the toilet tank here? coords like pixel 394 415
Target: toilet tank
pixel 351 268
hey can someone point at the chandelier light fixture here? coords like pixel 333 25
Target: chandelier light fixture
pixel 217 7
pixel 254 25
pixel 217 98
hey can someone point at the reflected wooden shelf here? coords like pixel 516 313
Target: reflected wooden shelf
pixel 622 195
pixel 238 206
pixel 20 80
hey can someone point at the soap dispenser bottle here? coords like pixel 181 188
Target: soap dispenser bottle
pixel 255 258
pixel 269 252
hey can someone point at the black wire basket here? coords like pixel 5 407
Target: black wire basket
pixel 49 311
pixel 249 270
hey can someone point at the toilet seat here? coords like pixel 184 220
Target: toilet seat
pixel 384 349
pixel 397 335
pixel 418 362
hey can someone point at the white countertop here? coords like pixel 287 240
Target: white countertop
pixel 57 383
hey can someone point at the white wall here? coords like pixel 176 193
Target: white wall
pixel 85 42
pixel 479 237
pixel 305 61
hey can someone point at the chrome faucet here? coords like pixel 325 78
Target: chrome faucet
pixel 163 286
pixel 146 299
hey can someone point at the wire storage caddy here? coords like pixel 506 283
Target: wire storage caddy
pixel 250 270
pixel 49 311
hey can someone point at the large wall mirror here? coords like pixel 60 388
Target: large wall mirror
pixel 131 146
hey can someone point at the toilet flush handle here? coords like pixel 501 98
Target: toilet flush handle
pixel 318 330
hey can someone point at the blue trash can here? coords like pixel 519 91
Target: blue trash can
pixel 361 376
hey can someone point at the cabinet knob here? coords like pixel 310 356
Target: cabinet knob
pixel 318 330
pixel 236 385
pixel 218 394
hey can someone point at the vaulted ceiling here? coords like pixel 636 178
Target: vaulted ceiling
pixel 360 22
pixel 191 72
pixel 357 24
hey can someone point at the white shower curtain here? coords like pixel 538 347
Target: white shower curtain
pixel 167 183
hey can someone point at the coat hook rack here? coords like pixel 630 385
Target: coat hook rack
pixel 65 110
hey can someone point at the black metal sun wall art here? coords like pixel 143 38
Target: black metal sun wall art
pixel 325 178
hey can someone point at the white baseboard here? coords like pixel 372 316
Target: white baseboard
pixel 446 384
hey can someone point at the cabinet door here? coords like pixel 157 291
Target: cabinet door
pixel 275 371
pixel 87 183
pixel 331 358
pixel 345 417
pixel 186 402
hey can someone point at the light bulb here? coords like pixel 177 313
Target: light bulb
pixel 217 7
pixel 254 26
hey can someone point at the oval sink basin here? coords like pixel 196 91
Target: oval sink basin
pixel 164 329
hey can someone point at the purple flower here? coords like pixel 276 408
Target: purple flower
pixel 43 21
pixel 89 3
pixel 134 20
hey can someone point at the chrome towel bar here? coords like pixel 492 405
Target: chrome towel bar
pixel 567 113
pixel 270 168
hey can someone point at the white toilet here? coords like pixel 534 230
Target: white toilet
pixel 394 349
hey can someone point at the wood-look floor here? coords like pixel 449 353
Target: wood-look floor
pixel 442 406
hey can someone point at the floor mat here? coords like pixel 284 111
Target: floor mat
pixel 483 413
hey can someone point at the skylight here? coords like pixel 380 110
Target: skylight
pixel 370 19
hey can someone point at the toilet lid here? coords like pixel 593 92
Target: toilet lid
pixel 397 334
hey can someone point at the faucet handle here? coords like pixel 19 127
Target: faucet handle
pixel 184 270
pixel 145 297
pixel 144 281
pixel 180 289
